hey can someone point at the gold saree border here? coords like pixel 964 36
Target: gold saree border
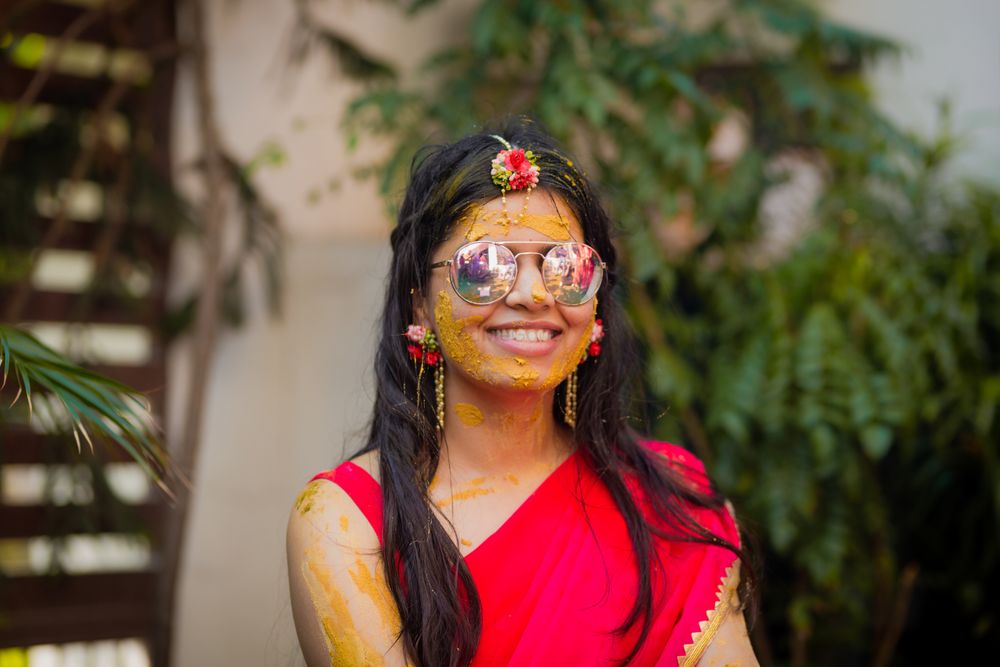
pixel 727 599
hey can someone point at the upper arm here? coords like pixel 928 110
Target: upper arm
pixel 343 610
pixel 731 645
pixel 728 643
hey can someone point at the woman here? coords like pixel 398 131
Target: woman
pixel 501 511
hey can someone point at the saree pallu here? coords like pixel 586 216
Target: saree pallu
pixel 559 575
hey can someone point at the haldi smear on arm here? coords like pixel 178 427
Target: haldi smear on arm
pixel 374 587
pixel 343 641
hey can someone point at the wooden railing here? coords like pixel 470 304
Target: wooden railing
pixel 97 603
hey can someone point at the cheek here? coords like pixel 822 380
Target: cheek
pixel 456 342
pixel 580 318
pixel 581 321
pixel 461 347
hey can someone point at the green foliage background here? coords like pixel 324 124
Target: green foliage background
pixel 843 393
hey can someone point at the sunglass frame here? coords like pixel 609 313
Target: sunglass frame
pixel 454 258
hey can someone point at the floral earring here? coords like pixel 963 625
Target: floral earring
pixel 423 348
pixel 593 350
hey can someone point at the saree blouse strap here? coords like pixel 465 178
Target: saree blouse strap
pixel 362 488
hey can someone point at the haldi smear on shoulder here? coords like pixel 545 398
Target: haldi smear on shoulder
pixel 304 502
pixel 469 414
pixel 343 522
pixel 343 641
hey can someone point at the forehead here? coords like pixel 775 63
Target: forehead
pixel 539 216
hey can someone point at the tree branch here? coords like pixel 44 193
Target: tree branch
pixel 205 326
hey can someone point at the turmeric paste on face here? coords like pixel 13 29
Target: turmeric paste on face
pixel 462 349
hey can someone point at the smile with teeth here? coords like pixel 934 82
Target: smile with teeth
pixel 530 335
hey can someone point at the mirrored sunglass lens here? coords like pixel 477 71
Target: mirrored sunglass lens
pixel 483 272
pixel 572 273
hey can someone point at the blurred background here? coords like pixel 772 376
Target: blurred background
pixel 196 199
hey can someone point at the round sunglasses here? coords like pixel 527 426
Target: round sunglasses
pixel 483 272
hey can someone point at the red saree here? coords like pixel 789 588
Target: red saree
pixel 558 576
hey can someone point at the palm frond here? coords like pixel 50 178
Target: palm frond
pixel 108 407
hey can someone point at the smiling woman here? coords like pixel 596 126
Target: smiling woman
pixel 501 511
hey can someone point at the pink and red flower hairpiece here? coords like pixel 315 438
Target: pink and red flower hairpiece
pixel 514 168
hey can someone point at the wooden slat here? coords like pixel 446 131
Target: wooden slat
pixel 20 445
pixel 105 606
pixel 148 379
pixel 60 89
pixel 85 235
pixel 35 520
pixel 42 610
pixel 52 19
pixel 47 306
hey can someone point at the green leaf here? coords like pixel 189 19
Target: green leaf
pixel 876 440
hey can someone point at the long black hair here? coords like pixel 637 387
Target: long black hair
pixel 437 600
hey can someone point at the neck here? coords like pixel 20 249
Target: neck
pixel 501 431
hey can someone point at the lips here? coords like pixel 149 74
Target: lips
pixel 526 338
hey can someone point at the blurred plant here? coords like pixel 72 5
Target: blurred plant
pixel 111 409
pixel 816 299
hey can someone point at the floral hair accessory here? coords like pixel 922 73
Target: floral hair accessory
pixel 515 169
pixel 423 345
pixel 415 332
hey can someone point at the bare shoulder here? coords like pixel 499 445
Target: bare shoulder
pixel 323 511
pixel 341 604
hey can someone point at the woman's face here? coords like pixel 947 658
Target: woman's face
pixel 526 340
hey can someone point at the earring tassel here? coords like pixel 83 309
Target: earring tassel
pixel 569 409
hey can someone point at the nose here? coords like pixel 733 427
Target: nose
pixel 529 290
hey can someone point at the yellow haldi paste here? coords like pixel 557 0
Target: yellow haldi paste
pixel 374 587
pixel 571 359
pixel 466 494
pixel 469 414
pixel 478 224
pixel 460 346
pixel 343 641
pixel 304 502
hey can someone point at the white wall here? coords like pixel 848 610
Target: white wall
pixel 285 396
pixel 953 51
